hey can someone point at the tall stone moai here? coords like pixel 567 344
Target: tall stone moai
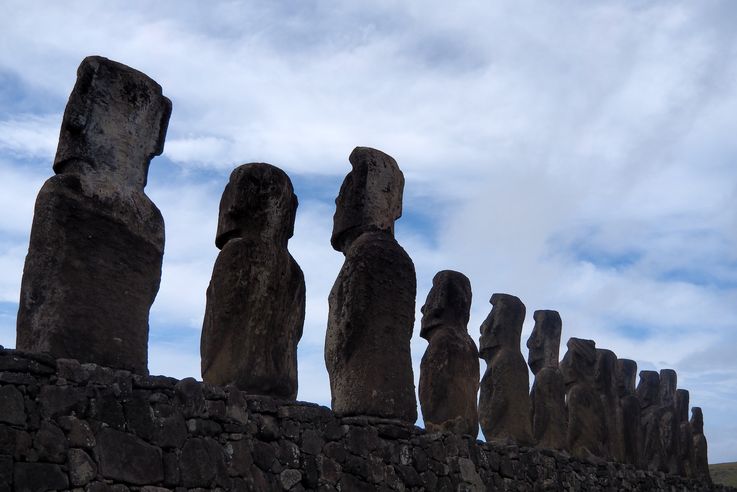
pixel 449 372
pixel 629 412
pixel 685 434
pixel 549 419
pixel 372 303
pixel 97 242
pixel 504 400
pixel 605 379
pixel 653 453
pixel 256 298
pixel 701 460
pixel 669 425
pixel 586 424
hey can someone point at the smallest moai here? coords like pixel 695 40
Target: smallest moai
pixel 256 298
pixel 586 424
pixel 685 434
pixel 653 454
pixel 449 372
pixel 97 242
pixel 549 419
pixel 605 378
pixel 629 409
pixel 701 460
pixel 669 428
pixel 504 400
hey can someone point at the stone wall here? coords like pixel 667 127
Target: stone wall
pixel 71 426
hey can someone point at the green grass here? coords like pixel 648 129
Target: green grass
pixel 724 473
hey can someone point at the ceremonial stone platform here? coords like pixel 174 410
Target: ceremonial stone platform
pixel 71 426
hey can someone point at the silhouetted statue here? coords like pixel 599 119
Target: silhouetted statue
pixel 701 461
pixel 504 400
pixel 605 380
pixel 449 373
pixel 549 419
pixel 653 454
pixel 586 424
pixel 685 435
pixel 669 426
pixel 629 408
pixel 94 260
pixel 372 304
pixel 256 299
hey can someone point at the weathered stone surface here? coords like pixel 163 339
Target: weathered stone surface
pixel 256 298
pixel 12 410
pixel 38 477
pixel 701 460
pixel 122 456
pixel 371 305
pixel 504 400
pixel 94 260
pixel 202 463
pixel 50 443
pixel 605 379
pixel 449 372
pixel 547 397
pixel 669 424
pixel 653 454
pixel 586 424
pixel 82 468
pixel 686 455
pixel 629 407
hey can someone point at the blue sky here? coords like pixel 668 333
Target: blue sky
pixel 578 155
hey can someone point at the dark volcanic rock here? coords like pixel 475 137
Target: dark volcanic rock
pixel 449 372
pixel 38 477
pixel 125 457
pixel 629 407
pixel 586 424
pixel 547 397
pixel 653 454
pixel 605 379
pixel 686 456
pixel 94 260
pixel 669 424
pixel 504 400
pixel 701 461
pixel 256 298
pixel 367 344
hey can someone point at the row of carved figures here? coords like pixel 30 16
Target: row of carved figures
pixel 94 266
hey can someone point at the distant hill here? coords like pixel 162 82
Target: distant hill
pixel 724 473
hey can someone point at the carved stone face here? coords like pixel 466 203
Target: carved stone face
pixel 579 362
pixel 667 388
pixel 448 303
pixel 544 341
pixel 114 123
pixel 503 327
pixel 370 197
pixel 647 390
pixel 258 203
pixel 626 375
pixel 605 372
pixel 682 401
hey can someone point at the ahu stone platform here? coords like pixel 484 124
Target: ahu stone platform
pixel 84 427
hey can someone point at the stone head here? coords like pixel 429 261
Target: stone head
pixel 667 388
pixel 502 329
pixel 648 389
pixel 626 375
pixel 370 197
pixel 605 373
pixel 579 362
pixel 258 203
pixel 697 420
pixel 544 341
pixel 448 303
pixel 682 402
pixel 114 123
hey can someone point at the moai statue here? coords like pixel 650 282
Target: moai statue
pixel 685 434
pixel 256 298
pixel 449 372
pixel 586 424
pixel 605 380
pixel 372 303
pixel 701 460
pixel 548 394
pixel 504 400
pixel 653 454
pixel 629 412
pixel 669 425
pixel 97 242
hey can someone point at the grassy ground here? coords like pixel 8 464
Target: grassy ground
pixel 724 473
